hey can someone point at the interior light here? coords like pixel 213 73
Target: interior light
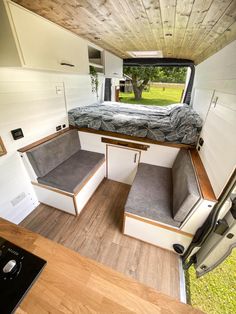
pixel 146 54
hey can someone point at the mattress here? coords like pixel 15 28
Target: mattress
pixel 177 123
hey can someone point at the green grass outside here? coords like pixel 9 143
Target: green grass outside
pixel 214 293
pixel 156 96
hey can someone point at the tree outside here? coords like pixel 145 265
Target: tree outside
pixel 143 75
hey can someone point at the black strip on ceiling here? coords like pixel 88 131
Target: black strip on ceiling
pixel 158 62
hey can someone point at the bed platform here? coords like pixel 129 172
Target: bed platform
pixel 176 123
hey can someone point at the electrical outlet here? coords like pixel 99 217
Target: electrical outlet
pixel 59 90
pixel 18 199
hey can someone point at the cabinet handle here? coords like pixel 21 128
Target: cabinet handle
pixel 115 73
pixel 67 64
pixel 135 158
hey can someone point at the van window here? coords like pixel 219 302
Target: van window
pixel 153 85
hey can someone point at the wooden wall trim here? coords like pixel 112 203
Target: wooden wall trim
pixel 43 140
pixel 157 224
pixel 75 205
pixel 3 150
pixel 124 143
pixel 203 180
pixel 134 138
pixel 53 189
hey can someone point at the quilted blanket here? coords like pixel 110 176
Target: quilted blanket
pixel 177 123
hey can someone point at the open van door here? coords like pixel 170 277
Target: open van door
pixel 220 243
pixel 216 239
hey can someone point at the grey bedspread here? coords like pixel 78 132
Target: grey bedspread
pixel 176 123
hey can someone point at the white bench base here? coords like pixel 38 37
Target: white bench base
pixel 154 232
pixel 69 202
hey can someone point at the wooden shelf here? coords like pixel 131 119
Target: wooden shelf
pixel 96 65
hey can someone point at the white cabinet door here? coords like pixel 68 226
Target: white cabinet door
pixel 113 65
pixel 47 46
pixel 122 164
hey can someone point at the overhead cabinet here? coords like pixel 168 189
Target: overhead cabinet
pixel 113 65
pixel 30 41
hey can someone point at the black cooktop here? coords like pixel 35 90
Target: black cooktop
pixel 18 271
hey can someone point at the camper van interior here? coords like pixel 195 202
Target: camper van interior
pixel 105 204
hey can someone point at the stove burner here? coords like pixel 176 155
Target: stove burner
pixel 18 271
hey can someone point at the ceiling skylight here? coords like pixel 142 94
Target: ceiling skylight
pixel 146 54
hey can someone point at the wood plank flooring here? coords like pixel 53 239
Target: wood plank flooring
pixel 97 233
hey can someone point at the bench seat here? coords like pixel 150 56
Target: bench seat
pixel 165 195
pixel 151 194
pixel 71 175
pixel 64 176
pixel 162 201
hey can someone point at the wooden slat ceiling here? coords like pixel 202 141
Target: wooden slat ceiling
pixel 191 29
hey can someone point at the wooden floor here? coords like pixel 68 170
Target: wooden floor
pixel 96 233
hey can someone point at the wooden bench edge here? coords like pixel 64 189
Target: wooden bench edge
pixel 50 188
pixel 42 140
pixel 202 177
pixel 125 144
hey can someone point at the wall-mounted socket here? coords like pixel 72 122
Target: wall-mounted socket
pixel 17 134
pixel 59 90
pixel 64 125
pixel 15 201
pixel 58 128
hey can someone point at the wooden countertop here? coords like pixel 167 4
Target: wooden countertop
pixel 71 283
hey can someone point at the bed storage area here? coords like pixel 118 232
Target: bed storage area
pixel 176 123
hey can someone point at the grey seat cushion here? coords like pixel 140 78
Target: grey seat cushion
pixel 151 194
pixel 185 187
pixel 72 173
pixel 47 156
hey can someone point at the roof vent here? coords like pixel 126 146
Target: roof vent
pixel 146 54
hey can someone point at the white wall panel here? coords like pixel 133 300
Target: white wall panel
pixel 201 101
pixel 219 150
pixel 219 71
pixel 28 100
pixel 218 74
